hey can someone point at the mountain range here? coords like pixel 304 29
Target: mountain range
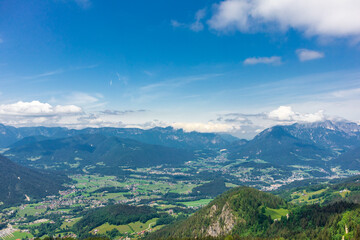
pixel 322 144
pixel 277 146
pixel 93 152
pixel 325 145
pixel 169 136
pixel 337 135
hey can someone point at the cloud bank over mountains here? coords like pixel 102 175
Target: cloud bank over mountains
pixel 286 114
pixel 36 113
pixel 247 125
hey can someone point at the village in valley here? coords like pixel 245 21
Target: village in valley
pixel 169 190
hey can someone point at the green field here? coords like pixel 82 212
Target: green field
pixel 34 225
pixel 19 235
pixel 93 182
pixel 182 188
pixel 344 192
pixel 138 188
pixel 29 210
pixel 138 226
pixel 198 203
pixel 128 228
pixel 107 227
pixel 276 213
pixel 304 197
pixel 165 206
pixel 70 224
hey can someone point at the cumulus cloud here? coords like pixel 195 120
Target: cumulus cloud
pixel 306 55
pixel 264 60
pixel 330 18
pixel 248 125
pixel 37 113
pixel 231 14
pixel 285 113
pixel 36 108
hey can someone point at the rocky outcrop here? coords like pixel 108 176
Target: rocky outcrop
pixel 223 224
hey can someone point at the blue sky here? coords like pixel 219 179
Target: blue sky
pixel 233 66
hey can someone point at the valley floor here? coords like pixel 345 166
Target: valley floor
pixel 167 189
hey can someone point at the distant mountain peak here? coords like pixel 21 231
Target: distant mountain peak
pixel 168 128
pixel 333 125
pixel 275 132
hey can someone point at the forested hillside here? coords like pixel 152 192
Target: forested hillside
pixel 115 215
pixel 245 213
pixel 20 184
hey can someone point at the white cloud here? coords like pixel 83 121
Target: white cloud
pixel 248 125
pixel 265 60
pixel 203 127
pixel 36 113
pixel 231 14
pixel 198 26
pixel 69 109
pixel 330 18
pixel 36 108
pixel 285 113
pixel 306 54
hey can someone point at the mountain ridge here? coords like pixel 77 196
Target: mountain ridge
pixel 277 146
pixel 319 144
pixel 168 136
pixel 19 183
pixel 104 152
